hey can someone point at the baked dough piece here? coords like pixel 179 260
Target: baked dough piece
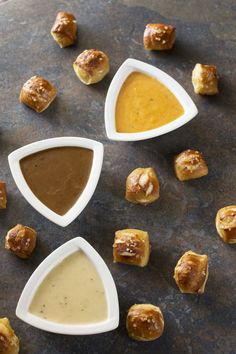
pixel 142 186
pixel 145 322
pixel 91 66
pixel 131 246
pixel 37 93
pixel 3 195
pixel 158 36
pixel 205 79
pixel 9 342
pixel 190 164
pixel 21 240
pixel 226 223
pixel 191 273
pixel 64 29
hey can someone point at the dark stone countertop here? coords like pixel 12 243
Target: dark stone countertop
pixel 182 219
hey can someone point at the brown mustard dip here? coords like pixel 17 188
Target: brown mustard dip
pixel 58 176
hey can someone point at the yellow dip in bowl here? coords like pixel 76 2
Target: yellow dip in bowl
pixel 144 103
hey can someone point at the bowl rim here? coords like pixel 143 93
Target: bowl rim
pixel 62 220
pixel 130 65
pixel 45 267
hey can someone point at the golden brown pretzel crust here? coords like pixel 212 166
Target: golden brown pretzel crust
pixel 91 66
pixel 64 29
pixel 3 195
pixel 226 223
pixel 131 246
pixel 21 240
pixel 191 273
pixel 205 79
pixel 158 36
pixel 190 164
pixel 144 322
pixel 142 186
pixel 9 342
pixel 37 93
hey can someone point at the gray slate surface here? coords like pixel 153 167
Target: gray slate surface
pixel 182 219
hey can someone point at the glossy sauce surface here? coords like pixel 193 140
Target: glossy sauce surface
pixel 144 103
pixel 58 176
pixel 71 293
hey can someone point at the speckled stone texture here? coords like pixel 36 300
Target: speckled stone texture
pixel 183 217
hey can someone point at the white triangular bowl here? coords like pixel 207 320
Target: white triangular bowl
pixel 76 244
pixel 129 66
pixel 64 220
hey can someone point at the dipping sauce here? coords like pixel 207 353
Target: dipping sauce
pixel 58 176
pixel 71 293
pixel 144 103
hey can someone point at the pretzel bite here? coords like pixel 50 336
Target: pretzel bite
pixel 37 93
pixel 142 186
pixel 9 342
pixel 205 79
pixel 145 322
pixel 190 164
pixel 131 246
pixel 3 195
pixel 226 223
pixel 64 29
pixel 21 240
pixel 91 66
pixel 158 36
pixel 191 273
